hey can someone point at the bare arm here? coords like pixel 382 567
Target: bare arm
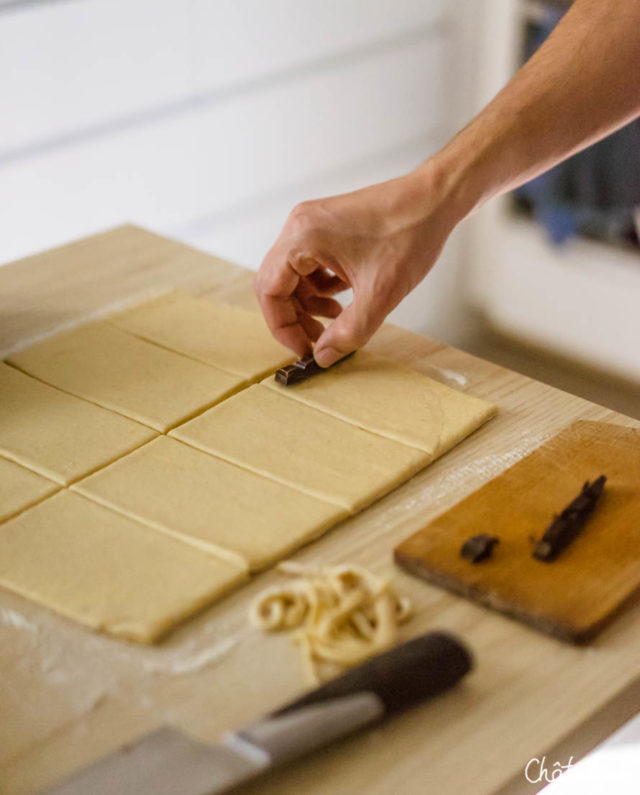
pixel 583 83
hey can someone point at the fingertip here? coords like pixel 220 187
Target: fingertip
pixel 327 356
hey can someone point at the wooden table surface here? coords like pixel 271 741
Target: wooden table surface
pixel 68 695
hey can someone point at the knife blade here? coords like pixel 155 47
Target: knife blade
pixel 168 762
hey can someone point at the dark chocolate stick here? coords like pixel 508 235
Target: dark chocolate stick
pixel 568 525
pixel 298 371
pixel 301 370
pixel 479 548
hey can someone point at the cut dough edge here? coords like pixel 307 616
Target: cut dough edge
pixel 216 576
pixel 22 362
pixel 125 320
pixel 479 411
pixel 351 505
pixel 206 547
pixel 254 565
pixel 58 468
pixel 224 553
pixel 316 516
pixel 68 482
pixel 32 488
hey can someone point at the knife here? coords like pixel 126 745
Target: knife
pixel 168 762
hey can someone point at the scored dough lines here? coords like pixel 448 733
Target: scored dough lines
pixel 194 481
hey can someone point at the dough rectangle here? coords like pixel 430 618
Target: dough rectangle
pixel 58 435
pixel 107 571
pixel 209 331
pixel 392 400
pixel 126 374
pixel 304 448
pixel 20 488
pixel 210 503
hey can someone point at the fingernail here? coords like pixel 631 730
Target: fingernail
pixel 327 356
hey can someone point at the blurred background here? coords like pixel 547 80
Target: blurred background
pixel 208 120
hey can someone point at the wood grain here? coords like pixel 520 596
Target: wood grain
pixel 68 696
pixel 575 596
pixel 49 292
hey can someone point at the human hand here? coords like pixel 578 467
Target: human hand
pixel 380 241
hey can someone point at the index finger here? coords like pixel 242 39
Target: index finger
pixel 275 288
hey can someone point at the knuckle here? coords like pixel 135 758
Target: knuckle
pixel 302 217
pixel 301 209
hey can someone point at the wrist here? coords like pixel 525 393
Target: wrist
pixel 449 184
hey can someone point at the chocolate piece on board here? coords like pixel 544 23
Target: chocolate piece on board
pixel 567 526
pixel 479 548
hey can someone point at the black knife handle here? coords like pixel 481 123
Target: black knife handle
pixel 404 676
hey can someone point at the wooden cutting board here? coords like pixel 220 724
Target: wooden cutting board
pixel 573 597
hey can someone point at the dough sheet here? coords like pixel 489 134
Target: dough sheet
pixel 210 503
pixel 212 332
pixel 107 571
pixel 392 400
pixel 20 488
pixel 295 444
pixel 153 528
pixel 119 371
pixel 58 435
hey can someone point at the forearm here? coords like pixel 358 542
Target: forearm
pixel 382 240
pixel 582 84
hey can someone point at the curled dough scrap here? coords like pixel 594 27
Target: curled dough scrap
pixel 343 615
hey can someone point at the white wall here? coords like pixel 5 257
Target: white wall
pixel 207 120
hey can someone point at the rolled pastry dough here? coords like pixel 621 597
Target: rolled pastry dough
pixel 20 488
pixel 212 332
pixel 392 400
pixel 210 503
pixel 60 436
pixel 107 571
pixel 261 430
pixel 119 371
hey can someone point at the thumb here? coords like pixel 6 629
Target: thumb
pixel 350 330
